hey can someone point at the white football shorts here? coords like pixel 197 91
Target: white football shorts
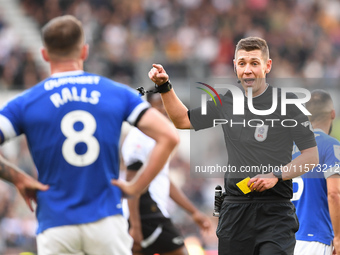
pixel 107 236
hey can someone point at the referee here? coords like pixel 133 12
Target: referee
pixel 262 221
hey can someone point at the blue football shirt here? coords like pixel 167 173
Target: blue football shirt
pixel 72 122
pixel 310 191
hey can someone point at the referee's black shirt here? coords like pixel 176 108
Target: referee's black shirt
pixel 248 145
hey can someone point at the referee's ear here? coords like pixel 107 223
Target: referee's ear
pixel 268 65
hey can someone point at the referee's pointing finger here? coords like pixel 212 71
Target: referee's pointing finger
pixel 158 67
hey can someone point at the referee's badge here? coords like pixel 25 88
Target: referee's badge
pixel 261 132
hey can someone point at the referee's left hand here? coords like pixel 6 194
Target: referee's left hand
pixel 262 182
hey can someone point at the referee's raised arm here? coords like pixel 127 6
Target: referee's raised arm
pixel 174 107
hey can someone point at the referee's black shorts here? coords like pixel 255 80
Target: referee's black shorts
pixel 264 227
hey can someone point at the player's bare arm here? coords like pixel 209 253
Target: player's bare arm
pixel 181 199
pixel 156 126
pixel 135 229
pixel 333 194
pixel 26 185
pixel 308 159
pixel 174 107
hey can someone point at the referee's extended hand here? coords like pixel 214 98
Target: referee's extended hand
pixel 262 182
pixel 158 75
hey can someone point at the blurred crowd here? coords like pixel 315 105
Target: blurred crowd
pixel 18 69
pixel 303 36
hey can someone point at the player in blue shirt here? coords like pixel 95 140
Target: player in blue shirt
pixel 72 122
pixel 317 193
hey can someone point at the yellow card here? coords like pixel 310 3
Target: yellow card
pixel 242 185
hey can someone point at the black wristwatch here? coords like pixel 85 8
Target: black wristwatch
pixel 278 173
pixel 165 87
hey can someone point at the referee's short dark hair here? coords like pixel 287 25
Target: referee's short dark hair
pixel 253 43
pixel 63 36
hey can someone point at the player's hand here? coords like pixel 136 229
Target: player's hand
pixel 130 189
pixel 202 221
pixel 28 187
pixel 137 235
pixel 158 75
pixel 262 182
pixel 126 187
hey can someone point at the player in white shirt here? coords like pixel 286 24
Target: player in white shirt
pixel 150 225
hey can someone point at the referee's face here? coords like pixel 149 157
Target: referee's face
pixel 251 69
